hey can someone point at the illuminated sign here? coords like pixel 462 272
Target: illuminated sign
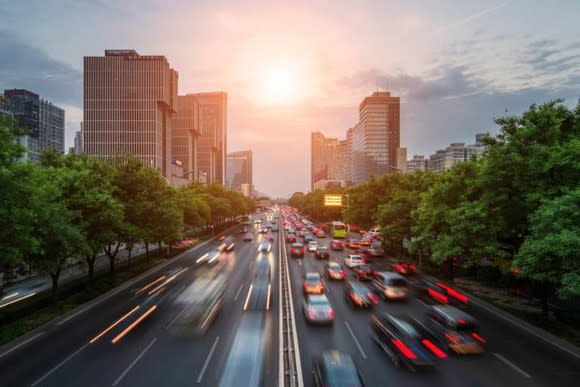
pixel 333 200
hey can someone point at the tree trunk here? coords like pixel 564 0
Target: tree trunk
pixel 130 250
pixel 451 274
pixel 112 254
pixel 90 259
pixel 147 249
pixel 54 277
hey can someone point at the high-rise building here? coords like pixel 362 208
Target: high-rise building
pixel 239 172
pixel 213 121
pixel 417 163
pixel 129 101
pixel 348 157
pixel 375 138
pixel 78 147
pixel 455 153
pixel 327 159
pixel 43 122
pixel 185 136
pixel 318 166
pixel 402 159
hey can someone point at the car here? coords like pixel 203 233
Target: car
pixel 353 260
pixel 320 234
pixel 333 270
pixel 457 331
pixel 269 236
pixel 312 246
pixel 353 243
pixel 391 286
pixel 290 238
pixel 260 291
pixel 404 268
pixel 317 310
pixel 336 245
pixel 313 283
pixel 321 252
pixel 359 295
pixel 375 232
pixel 227 244
pixel 334 369
pixel 376 250
pixel 264 247
pixel 257 221
pixel 365 242
pixel 243 230
pixel 297 250
pixel 429 292
pixel 263 230
pixel 248 237
pixel 302 232
pixel 364 272
pixel 307 239
pixel 406 341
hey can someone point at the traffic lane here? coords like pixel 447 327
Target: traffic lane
pixel 33 359
pixel 453 371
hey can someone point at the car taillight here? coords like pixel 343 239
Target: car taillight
pixel 433 348
pixel 478 338
pixel 331 313
pixel 454 293
pixel 452 337
pixel 438 296
pixel 373 298
pixel 342 273
pixel 310 313
pixel 404 349
pixel 305 285
pixel 302 250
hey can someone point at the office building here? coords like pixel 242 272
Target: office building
pixel 327 158
pixel 129 101
pixel 375 138
pixel 348 157
pixel 213 137
pixel 455 153
pixel 185 137
pixel 402 159
pixel 78 144
pixel 417 163
pixel 239 172
pixel 43 122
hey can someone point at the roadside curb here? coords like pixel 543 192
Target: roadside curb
pixel 544 335
pixel 38 331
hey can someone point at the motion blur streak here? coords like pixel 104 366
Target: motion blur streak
pixel 18 299
pixel 114 325
pixel 433 348
pixel 151 284
pixel 404 349
pixel 202 258
pixel 133 325
pixel 478 338
pixel 454 293
pixel 248 297
pixel 268 300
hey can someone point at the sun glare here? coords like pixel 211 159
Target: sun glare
pixel 280 86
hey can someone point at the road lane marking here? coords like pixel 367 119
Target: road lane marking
pixel 207 360
pixel 18 299
pixel 74 315
pixel 177 316
pixel 134 362
pixel 150 284
pixel 113 325
pixel 21 344
pixel 10 296
pixel 238 292
pixel 59 365
pixel 364 355
pixel 133 324
pixel 515 367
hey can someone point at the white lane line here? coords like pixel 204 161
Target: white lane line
pixel 200 377
pixel 177 316
pixel 18 299
pixel 238 292
pixel 134 362
pixel 59 365
pixel 20 345
pixel 364 355
pixel 74 315
pixel 515 367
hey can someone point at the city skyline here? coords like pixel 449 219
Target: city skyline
pixel 456 67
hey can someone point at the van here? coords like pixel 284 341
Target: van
pixel 391 286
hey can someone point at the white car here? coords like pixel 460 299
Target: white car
pixel 312 245
pixel 353 260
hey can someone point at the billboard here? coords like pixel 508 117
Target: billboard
pixel 332 200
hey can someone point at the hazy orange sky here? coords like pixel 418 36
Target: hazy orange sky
pixel 293 67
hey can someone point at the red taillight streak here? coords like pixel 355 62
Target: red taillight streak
pixel 454 293
pixel 373 298
pixel 404 349
pixel 478 338
pixel 451 338
pixel 438 296
pixel 331 313
pixel 433 348
pixel 310 313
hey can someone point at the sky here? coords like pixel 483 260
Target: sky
pixel 293 67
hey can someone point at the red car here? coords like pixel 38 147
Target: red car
pixel 404 268
pixel 297 250
pixel 337 245
pixel 333 270
pixel 364 272
pixel 290 238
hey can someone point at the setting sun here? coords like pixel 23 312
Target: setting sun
pixel 280 86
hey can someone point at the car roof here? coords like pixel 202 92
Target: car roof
pixel 389 275
pixel 317 298
pixel 452 313
pixel 354 256
pixel 296 244
pixel 333 264
pixel 312 275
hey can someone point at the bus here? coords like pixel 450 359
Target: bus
pixel 338 230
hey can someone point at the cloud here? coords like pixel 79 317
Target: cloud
pixel 27 67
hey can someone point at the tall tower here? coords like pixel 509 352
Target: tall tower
pixel 213 120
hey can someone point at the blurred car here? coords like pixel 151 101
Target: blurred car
pixel 365 241
pixel 317 309
pixel 248 237
pixel 353 260
pixel 313 283
pixel 429 292
pixel 455 330
pixel 302 232
pixel 297 250
pixel 333 270
pixel 407 342
pixel 365 255
pixel 264 247
pixel 320 234
pixel 391 286
pixel 260 291
pixel 353 243
pixel 364 272
pixel 307 239
pixel 269 236
pixel 227 244
pixel 290 238
pixel 257 221
pixel 321 252
pixel 263 230
pixel 455 297
pixel 312 246
pixel 376 249
pixel 335 369
pixel 404 268
pixel 360 295
pixel 243 230
pixel 336 245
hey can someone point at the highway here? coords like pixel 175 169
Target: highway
pixel 513 357
pixel 126 340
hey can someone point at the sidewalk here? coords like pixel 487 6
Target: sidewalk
pixel 39 283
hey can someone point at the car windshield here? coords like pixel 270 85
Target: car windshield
pixel 313 279
pixel 334 266
pixel 398 282
pixel 322 249
pixel 297 245
pixel 318 301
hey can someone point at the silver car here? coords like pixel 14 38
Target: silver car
pixel 317 310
